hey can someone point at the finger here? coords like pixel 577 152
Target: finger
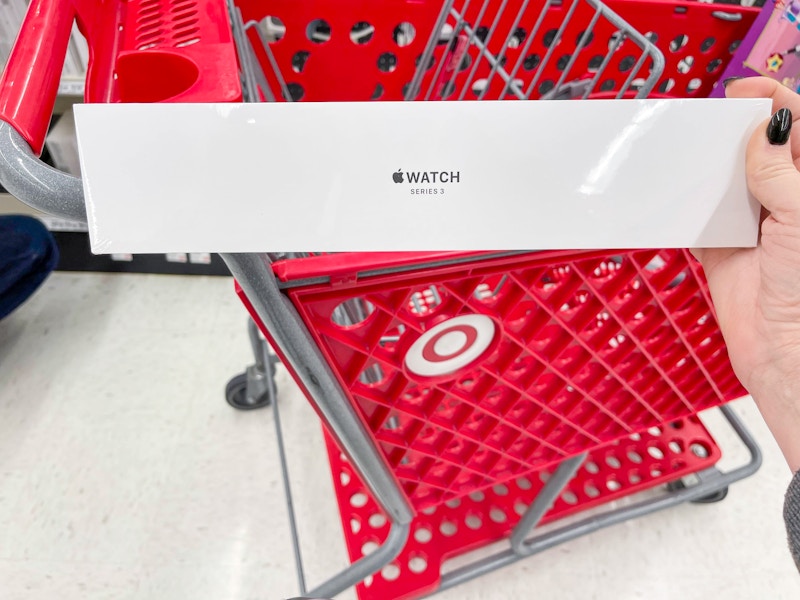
pixel 771 174
pixel 711 257
pixel 764 87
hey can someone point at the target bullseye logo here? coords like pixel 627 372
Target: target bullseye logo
pixel 450 346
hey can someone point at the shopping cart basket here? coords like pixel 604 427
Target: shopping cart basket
pixel 588 351
pixel 448 377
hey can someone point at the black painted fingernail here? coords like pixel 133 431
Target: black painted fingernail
pixel 779 128
pixel 725 82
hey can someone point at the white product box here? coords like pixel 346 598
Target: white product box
pixel 390 176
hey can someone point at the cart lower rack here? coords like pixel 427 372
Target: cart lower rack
pixel 608 473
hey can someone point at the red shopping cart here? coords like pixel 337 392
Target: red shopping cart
pixel 466 397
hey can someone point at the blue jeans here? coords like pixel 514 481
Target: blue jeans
pixel 28 253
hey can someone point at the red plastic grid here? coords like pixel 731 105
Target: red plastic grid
pixel 587 349
pixel 638 462
pixel 343 63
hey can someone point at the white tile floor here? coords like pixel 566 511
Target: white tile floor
pixel 123 473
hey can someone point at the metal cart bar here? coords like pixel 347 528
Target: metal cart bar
pixel 544 500
pixel 413 87
pixel 279 316
pixel 497 61
pixel 263 358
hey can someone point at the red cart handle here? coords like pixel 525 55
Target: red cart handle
pixel 28 90
pixel 29 84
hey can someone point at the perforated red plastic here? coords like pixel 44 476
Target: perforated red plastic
pixel 574 350
pixel 698 39
pixel 342 49
pixel 355 50
pixel 638 462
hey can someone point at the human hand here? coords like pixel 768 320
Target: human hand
pixel 756 291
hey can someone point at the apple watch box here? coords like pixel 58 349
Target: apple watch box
pixel 390 176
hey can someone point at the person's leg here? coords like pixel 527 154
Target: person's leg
pixel 28 253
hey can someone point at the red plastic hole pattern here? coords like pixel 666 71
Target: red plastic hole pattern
pixel 485 516
pixel 587 349
pixel 381 63
pixel 335 50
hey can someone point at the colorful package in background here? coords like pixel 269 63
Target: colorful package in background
pixel 771 47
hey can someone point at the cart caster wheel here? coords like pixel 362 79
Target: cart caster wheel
pixel 236 394
pixel 717 496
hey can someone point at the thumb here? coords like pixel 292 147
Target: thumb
pixel 771 175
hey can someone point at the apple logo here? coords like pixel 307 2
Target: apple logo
pixel 398 176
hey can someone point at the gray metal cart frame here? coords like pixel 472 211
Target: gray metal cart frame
pixel 59 194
